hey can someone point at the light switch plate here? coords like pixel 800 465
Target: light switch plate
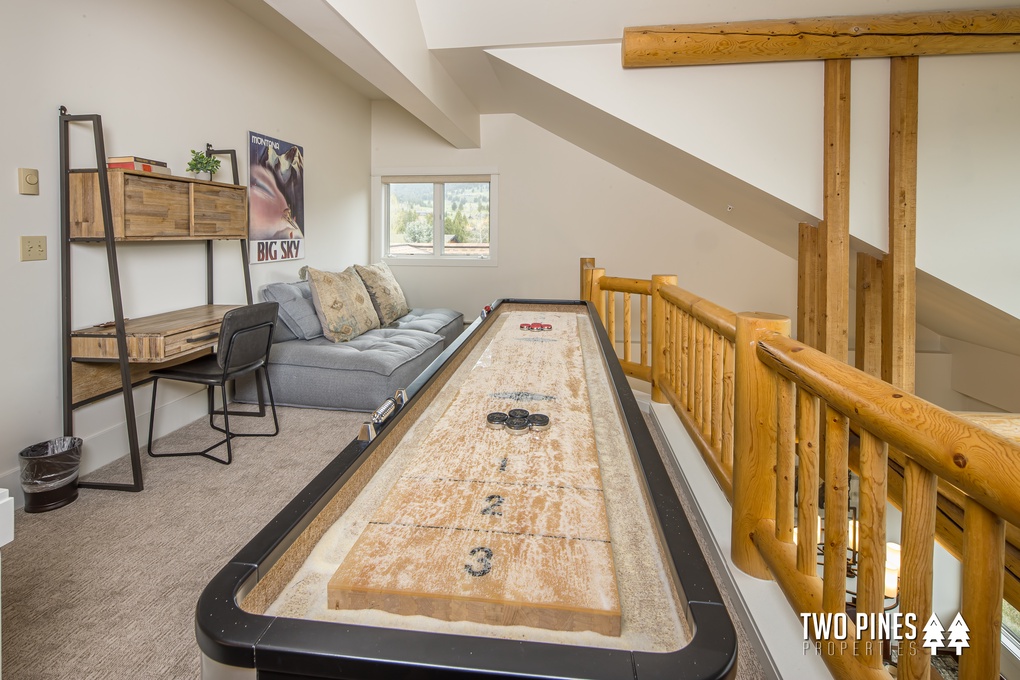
pixel 28 181
pixel 33 248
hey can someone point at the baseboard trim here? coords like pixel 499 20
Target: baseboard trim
pixel 779 646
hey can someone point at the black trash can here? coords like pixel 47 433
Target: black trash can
pixel 49 473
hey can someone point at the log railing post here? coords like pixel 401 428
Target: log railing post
pixel 755 439
pixel 587 264
pixel 659 334
pixel 597 295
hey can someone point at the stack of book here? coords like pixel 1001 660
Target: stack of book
pixel 136 163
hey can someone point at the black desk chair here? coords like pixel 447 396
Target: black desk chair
pixel 246 336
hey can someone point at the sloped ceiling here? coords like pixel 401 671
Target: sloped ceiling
pixel 449 61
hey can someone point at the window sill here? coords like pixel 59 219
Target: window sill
pixel 434 261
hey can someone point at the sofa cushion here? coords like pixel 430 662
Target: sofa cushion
pixel 448 323
pixel 356 376
pixel 342 304
pixel 297 312
pixel 387 298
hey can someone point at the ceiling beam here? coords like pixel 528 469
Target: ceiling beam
pixel 886 35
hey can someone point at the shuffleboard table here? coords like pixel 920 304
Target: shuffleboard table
pixel 507 515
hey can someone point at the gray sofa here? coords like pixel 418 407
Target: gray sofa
pixel 308 370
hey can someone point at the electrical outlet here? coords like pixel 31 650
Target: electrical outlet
pixel 33 248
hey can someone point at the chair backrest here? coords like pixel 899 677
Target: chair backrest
pixel 246 335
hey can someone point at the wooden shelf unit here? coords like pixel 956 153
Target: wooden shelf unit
pixel 149 207
pixel 125 206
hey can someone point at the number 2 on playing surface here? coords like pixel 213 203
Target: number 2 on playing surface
pixel 483 560
pixel 493 507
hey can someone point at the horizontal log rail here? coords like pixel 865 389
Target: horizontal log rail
pixel 843 37
pixel 979 462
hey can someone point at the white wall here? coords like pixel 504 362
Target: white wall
pixel 558 203
pixel 968 164
pixel 166 77
pixel 762 123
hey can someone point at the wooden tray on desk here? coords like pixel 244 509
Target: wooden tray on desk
pixel 153 339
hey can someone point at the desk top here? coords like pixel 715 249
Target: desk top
pixel 177 321
pixel 153 339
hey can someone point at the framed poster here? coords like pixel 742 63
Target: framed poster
pixel 276 223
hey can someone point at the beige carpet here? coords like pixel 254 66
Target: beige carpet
pixel 106 587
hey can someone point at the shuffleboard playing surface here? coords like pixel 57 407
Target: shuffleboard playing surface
pixel 491 527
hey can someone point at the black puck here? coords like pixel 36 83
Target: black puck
pixel 518 413
pixel 538 422
pixel 517 425
pixel 496 419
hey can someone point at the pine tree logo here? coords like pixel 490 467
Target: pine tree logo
pixel 959 634
pixel 933 633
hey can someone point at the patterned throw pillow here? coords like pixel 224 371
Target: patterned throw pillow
pixel 387 298
pixel 342 304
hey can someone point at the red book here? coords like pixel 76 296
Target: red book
pixel 133 159
pixel 145 167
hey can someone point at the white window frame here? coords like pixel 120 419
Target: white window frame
pixel 380 209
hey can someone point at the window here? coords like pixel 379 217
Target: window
pixel 429 218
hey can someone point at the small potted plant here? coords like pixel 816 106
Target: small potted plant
pixel 201 163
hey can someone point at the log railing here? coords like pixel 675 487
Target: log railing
pixel 690 361
pixel 780 403
pixel 601 291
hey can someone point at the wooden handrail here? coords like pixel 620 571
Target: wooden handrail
pixel 981 463
pixel 621 285
pixel 719 319
pixel 758 405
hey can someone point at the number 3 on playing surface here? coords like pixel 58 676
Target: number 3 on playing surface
pixel 483 561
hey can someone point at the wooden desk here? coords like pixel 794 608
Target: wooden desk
pixel 161 339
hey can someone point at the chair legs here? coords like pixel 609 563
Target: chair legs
pixel 226 413
pixel 248 414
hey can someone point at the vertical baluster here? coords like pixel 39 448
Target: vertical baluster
pixel 627 341
pixel 717 393
pixel 836 511
pixel 917 539
pixel 786 442
pixel 611 318
pixel 807 507
pixel 871 570
pixel 644 301
pixel 685 329
pixel 692 375
pixel 727 431
pixel 706 381
pixel 677 329
pixel 699 359
pixel 984 555
pixel 670 346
